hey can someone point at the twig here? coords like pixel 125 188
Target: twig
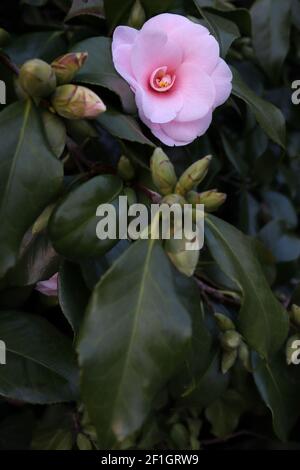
pixel 152 195
pixel 5 60
pixel 213 292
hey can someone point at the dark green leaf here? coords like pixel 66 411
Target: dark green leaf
pixel 86 7
pixel 131 343
pixel 261 320
pixel 54 431
pixel 268 116
pixel 40 363
pixel 99 70
pixel 30 177
pixel 279 386
pixel 271 23
pixel 224 413
pixel 72 293
pixel 72 226
pixel 224 30
pixel 117 12
pixel 124 127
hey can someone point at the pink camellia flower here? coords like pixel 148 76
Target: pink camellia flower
pixel 174 68
pixel 48 287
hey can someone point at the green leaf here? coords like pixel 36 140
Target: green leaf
pixel 46 45
pixel 133 339
pixel 72 226
pixel 224 30
pixel 271 24
pixel 279 386
pixel 37 261
pixel 224 413
pixel 124 127
pixel 55 131
pixel 40 363
pixel 72 293
pixel 86 7
pixel 268 116
pixel 117 12
pixel 261 320
pixel 54 431
pixel 99 70
pixel 30 177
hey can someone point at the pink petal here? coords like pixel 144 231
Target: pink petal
pixel 198 92
pixel 222 77
pixel 166 22
pixel 151 51
pixel 48 287
pixel 159 107
pixel 123 40
pixel 187 131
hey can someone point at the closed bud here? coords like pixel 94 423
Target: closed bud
pixel 171 199
pixel 292 349
pixel 184 260
pixel 295 314
pixel 66 66
pixel 77 102
pixel 230 339
pixel 193 197
pixel 125 169
pixel 228 360
pixel 212 200
pixel 4 37
pixel 42 221
pixel 193 175
pixel 37 78
pixel 224 323
pixel 163 172
pixel 244 356
pixel 137 16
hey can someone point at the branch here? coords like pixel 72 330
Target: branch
pixel 5 60
pixel 216 294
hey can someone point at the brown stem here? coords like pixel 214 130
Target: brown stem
pixel 5 60
pixel 213 292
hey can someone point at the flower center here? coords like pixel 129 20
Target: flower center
pixel 161 80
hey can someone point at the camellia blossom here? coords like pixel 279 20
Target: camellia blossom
pixel 174 68
pixel 48 287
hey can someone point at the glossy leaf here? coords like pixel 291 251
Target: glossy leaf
pixel 124 127
pixel 99 70
pixel 268 116
pixel 262 320
pixel 271 23
pixel 40 363
pixel 86 7
pixel 131 343
pixel 30 177
pixel 72 226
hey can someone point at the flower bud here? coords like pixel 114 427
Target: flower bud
pixel 193 175
pixel 244 355
pixel 212 200
pixel 230 339
pixel 184 260
pixel 4 37
pixel 125 169
pixel 224 323
pixel 171 199
pixel 77 102
pixel 163 172
pixel 228 360
pixel 137 16
pixel 37 78
pixel 291 348
pixel 66 66
pixel 295 314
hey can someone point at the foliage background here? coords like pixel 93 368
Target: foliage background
pixel 167 390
